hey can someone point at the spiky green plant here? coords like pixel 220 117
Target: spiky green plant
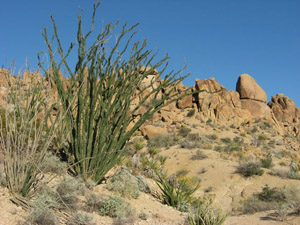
pixel 175 192
pixel 104 82
pixel 205 215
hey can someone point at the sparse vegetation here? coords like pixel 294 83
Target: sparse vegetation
pixel 250 167
pixel 283 200
pixel 112 206
pixel 184 131
pixel 199 155
pixel 162 141
pixel 206 215
pixel 125 184
pixel 175 192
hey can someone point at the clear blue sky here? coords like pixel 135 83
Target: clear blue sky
pixel 219 38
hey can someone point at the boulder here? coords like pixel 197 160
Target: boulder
pixel 284 109
pixel 257 109
pixel 248 89
pixel 150 131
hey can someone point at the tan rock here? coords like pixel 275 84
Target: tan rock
pixel 150 131
pixel 209 85
pixel 284 109
pixel 185 102
pixel 249 89
pixel 256 108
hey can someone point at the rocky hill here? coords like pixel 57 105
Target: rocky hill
pixel 243 151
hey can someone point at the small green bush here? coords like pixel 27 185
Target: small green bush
pixel 42 212
pixel 271 194
pixel 81 219
pixel 67 191
pixel 153 151
pixel 226 140
pixel 189 144
pixel 125 184
pixel 273 199
pixel 162 141
pixel 184 131
pixel 112 206
pixel 267 161
pixel 250 168
pixel 212 137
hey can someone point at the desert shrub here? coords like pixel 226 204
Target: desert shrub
pixel 143 185
pixel 53 164
pixel 295 175
pixel 143 215
pixel 205 215
pixel 27 132
pixel 243 134
pixel 182 173
pixel 138 144
pixel 208 121
pixel 112 206
pixel 2 178
pixel 199 155
pixel 219 148
pixel 184 131
pixel 195 137
pixel 153 151
pixel 107 78
pixel 191 113
pixel 279 199
pixel 226 140
pixel 263 137
pixel 162 159
pixel 67 191
pixel 149 165
pixel 283 173
pixel 207 145
pixel 249 168
pixel 252 205
pixel 253 129
pixel 80 219
pixel 238 140
pixel 175 192
pixel 42 211
pixel 212 137
pixel 125 184
pixel 189 144
pixel 267 161
pixel 162 141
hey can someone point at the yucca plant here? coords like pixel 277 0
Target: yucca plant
pixel 205 215
pixel 105 82
pixel 26 132
pixel 175 192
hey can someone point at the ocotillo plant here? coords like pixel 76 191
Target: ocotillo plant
pixel 25 133
pixel 105 81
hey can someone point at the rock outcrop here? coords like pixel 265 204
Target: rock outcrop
pixel 219 104
pixel 284 109
pixel 248 89
pixel 253 97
